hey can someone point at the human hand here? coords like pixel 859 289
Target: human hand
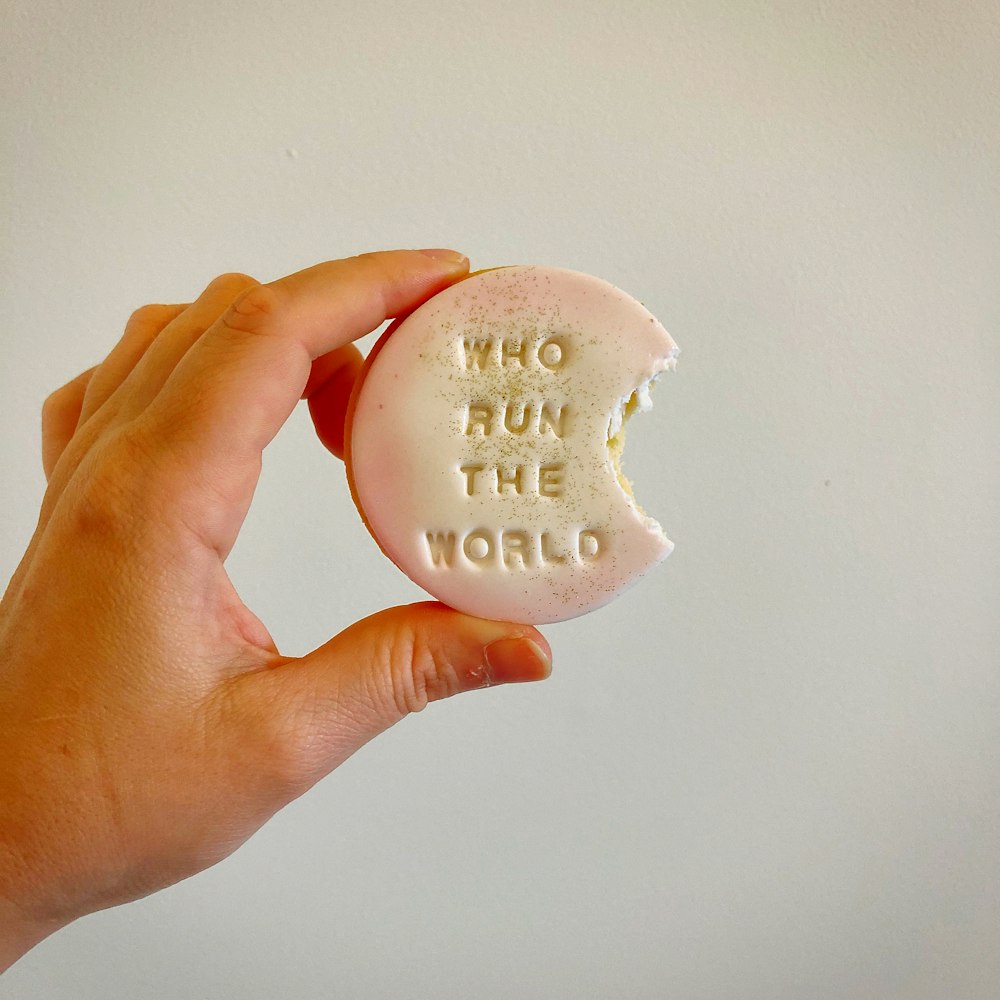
pixel 148 724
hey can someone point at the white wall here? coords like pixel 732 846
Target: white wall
pixel 772 769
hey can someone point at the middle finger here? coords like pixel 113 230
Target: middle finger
pixel 163 355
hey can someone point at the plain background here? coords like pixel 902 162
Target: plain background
pixel 772 769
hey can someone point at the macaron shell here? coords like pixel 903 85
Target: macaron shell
pixel 552 549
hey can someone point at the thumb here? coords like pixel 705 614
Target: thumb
pixel 325 706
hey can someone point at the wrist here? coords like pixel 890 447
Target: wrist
pixel 20 929
pixel 18 933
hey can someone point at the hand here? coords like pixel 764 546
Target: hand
pixel 148 724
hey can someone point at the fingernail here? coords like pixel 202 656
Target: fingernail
pixel 515 659
pixel 452 257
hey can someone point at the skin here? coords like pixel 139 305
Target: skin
pixel 148 723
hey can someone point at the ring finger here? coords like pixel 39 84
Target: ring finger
pixel 143 326
pixel 154 367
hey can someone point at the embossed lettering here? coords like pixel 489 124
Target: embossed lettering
pixel 521 425
pixel 442 547
pixel 480 354
pixel 505 478
pixel 514 350
pixel 477 353
pixel 552 353
pixel 478 546
pixel 549 554
pixel 550 479
pixel 545 480
pixel 589 545
pixel 515 545
pixel 480 415
pixel 552 420
pixel 515 548
pixel 470 477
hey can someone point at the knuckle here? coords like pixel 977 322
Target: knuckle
pixel 377 262
pixel 54 403
pixel 405 685
pixel 64 399
pixel 252 310
pixel 281 747
pixel 114 486
pixel 230 283
pixel 50 410
pixel 417 675
pixel 150 314
pixel 282 753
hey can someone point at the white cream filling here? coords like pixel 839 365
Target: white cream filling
pixel 638 401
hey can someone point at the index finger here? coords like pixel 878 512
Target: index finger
pixel 233 390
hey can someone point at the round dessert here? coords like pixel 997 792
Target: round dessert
pixel 484 438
